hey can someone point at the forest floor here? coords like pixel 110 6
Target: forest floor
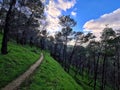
pixel 15 84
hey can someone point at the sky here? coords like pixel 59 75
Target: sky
pixel 90 15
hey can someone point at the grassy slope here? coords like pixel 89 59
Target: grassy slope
pixel 84 82
pixel 51 76
pixel 16 61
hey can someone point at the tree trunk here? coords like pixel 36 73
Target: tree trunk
pixel 55 50
pixel 118 70
pixel 64 54
pixel 95 72
pixel 103 73
pixel 6 28
pixel 71 56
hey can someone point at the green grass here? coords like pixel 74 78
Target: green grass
pixel 85 80
pixel 51 76
pixel 17 61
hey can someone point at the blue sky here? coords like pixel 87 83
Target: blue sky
pixel 90 15
pixel 92 9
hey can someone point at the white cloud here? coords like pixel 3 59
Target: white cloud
pixel 73 13
pixel 97 25
pixel 54 10
pixel 64 4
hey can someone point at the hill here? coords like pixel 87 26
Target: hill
pixel 17 61
pixel 49 76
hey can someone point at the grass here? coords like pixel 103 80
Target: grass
pixel 17 61
pixel 51 76
pixel 85 80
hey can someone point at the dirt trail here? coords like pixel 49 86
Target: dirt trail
pixel 14 85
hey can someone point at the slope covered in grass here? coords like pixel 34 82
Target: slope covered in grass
pixel 51 76
pixel 16 61
pixel 86 82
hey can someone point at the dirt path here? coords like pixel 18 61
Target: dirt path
pixel 14 85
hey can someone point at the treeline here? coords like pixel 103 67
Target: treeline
pixel 21 20
pixel 99 60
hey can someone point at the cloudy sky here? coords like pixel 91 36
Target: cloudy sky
pixel 91 15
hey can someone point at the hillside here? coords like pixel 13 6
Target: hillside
pixel 17 61
pixel 49 76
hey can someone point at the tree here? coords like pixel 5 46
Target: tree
pixel 43 38
pixel 94 51
pixel 67 23
pixel 77 38
pixel 24 15
pixel 56 42
pixel 6 27
pixel 116 63
pixel 107 34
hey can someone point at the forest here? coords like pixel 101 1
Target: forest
pixel 96 60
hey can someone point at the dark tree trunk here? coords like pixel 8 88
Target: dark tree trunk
pixel 17 38
pixel 64 57
pixel 31 42
pixel 55 50
pixel 71 55
pixel 1 30
pixel 95 72
pixel 88 66
pixel 6 28
pixel 42 43
pixel 103 72
pixel 64 54
pixel 118 68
